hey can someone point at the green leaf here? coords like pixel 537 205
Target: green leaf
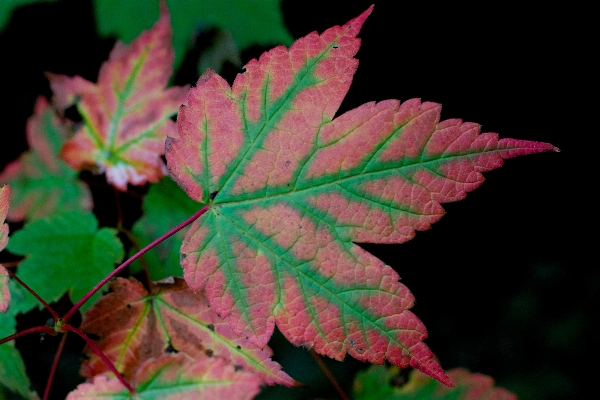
pixel 66 252
pixel 7 7
pixel 41 182
pixel 12 368
pixel 249 21
pixel 165 206
pixel 378 383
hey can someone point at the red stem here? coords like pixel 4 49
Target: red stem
pixel 35 329
pixel 16 278
pixel 100 354
pixel 170 233
pixel 328 374
pixel 54 365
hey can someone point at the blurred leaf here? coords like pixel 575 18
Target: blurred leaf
pixel 249 21
pixel 7 7
pixel 381 383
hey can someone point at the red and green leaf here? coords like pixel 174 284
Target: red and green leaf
pixel 133 326
pixel 176 376
pixel 126 115
pixel 290 189
pixel 70 254
pixel 41 182
pixel 4 202
pixel 377 383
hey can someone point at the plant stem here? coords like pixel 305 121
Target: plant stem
pixel 100 354
pixel 50 309
pixel 328 374
pixel 170 233
pixel 54 365
pixel 42 328
pixel 136 246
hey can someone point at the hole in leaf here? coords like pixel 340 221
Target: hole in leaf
pixel 171 349
pixel 211 327
pixel 93 336
pixel 238 368
pixel 209 352
pixel 213 195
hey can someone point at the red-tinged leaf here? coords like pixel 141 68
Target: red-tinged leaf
pixel 377 383
pixel 290 188
pixel 134 326
pixel 175 376
pixel 41 182
pixel 4 202
pixel 127 113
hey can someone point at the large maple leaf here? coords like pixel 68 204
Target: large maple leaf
pixel 133 326
pixel 126 115
pixel 174 377
pixel 290 189
pixel 41 182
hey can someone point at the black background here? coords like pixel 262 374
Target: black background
pixel 505 282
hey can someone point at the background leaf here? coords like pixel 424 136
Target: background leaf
pixel 251 22
pixel 127 113
pixel 41 182
pixel 7 6
pixel 70 255
pixel 378 383
pixel 174 376
pixel 164 206
pixel 133 326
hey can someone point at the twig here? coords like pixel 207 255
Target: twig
pixel 328 374
pixel 100 354
pixel 42 328
pixel 54 365
pixel 50 309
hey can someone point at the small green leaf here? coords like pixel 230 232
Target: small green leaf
pixel 249 21
pixel 66 252
pixel 7 7
pixel 165 206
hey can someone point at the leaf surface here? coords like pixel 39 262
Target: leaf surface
pixel 250 22
pixel 65 252
pixel 127 113
pixel 376 384
pixel 165 205
pixel 174 376
pixel 4 203
pixel 291 189
pixel 41 182
pixel 134 326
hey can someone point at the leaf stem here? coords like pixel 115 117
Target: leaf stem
pixel 100 354
pixel 170 233
pixel 61 345
pixel 328 374
pixel 41 328
pixel 50 309
pixel 136 246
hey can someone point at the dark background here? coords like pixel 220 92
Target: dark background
pixel 505 282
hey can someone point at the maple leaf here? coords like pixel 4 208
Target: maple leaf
pixel 134 326
pixel 376 384
pixel 70 254
pixel 290 189
pixel 165 205
pixel 127 113
pixel 175 376
pixel 41 182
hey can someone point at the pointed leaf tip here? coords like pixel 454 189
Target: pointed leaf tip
pixel 355 24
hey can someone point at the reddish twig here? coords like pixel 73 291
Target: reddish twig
pixel 137 248
pixel 61 345
pixel 328 374
pixel 100 354
pixel 42 328
pixel 170 233
pixel 11 264
pixel 50 309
